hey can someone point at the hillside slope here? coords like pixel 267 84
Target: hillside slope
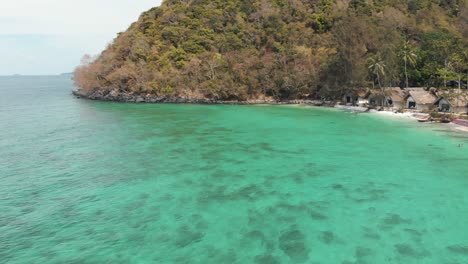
pixel 283 49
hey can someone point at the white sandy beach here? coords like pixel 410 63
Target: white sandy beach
pixel 393 114
pixel 408 115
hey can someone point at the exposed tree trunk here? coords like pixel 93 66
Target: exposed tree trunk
pixel 406 74
pixel 459 89
pixel 445 75
pixel 381 88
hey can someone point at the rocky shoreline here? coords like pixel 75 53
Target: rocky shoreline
pixel 154 99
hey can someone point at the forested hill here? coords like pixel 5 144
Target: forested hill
pixel 285 49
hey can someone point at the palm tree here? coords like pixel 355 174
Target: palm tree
pixel 377 67
pixel 464 56
pixel 409 57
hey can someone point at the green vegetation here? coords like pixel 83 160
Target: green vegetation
pixel 408 54
pixel 239 50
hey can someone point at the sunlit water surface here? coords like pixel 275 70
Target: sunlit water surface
pixel 93 182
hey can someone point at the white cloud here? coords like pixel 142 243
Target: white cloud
pixel 37 30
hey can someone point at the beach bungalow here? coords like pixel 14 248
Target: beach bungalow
pixel 420 99
pixel 350 97
pixel 407 90
pixel 453 102
pixel 363 97
pixel 356 97
pixel 376 98
pixel 389 97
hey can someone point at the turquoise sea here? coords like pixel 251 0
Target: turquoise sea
pixel 94 182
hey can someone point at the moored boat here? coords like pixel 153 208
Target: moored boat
pixel 352 108
pixel 461 122
pixel 422 117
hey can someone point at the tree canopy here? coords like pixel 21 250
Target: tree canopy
pixel 282 48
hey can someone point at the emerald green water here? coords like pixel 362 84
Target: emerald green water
pixel 93 182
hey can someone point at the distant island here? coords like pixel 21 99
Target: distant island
pixel 275 50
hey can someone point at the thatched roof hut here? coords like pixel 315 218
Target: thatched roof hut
pixel 389 97
pixel 455 101
pixel 355 96
pixel 420 99
pixel 363 93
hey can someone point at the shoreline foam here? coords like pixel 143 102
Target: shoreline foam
pixel 204 101
pixel 408 115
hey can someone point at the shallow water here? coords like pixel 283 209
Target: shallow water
pixel 93 182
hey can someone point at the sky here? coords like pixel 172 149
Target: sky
pixel 42 37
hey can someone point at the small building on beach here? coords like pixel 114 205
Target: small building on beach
pixel 350 98
pixel 363 97
pixel 453 102
pixel 420 99
pixel 390 97
pixel 356 97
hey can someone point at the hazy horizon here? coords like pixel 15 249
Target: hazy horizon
pixel 35 75
pixel 50 37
